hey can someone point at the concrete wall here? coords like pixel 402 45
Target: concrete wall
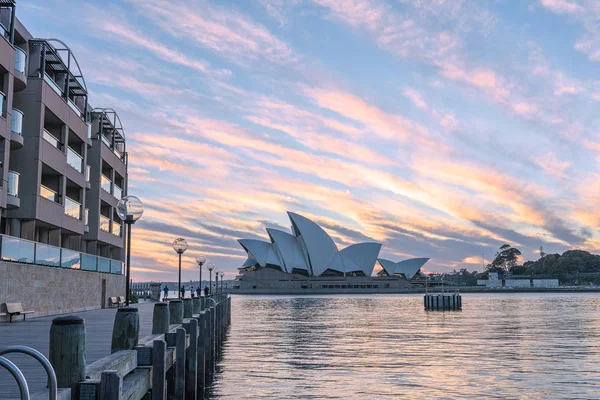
pixel 545 283
pixel 517 283
pixel 50 291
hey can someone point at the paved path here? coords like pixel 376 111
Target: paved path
pixel 35 333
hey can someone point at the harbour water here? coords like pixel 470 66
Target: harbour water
pixel 387 346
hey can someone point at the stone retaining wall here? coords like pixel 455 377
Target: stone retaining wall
pixel 51 291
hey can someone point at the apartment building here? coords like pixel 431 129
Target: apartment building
pixel 63 162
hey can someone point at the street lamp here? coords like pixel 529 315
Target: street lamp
pixel 210 267
pixel 222 273
pixel 200 260
pixel 180 245
pixel 217 281
pixel 129 210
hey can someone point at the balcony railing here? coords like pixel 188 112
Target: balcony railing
pixel 13 249
pixel 49 194
pixel 89 130
pixel 106 141
pixel 2 104
pixel 105 183
pixel 53 84
pixel 50 138
pixel 74 160
pixel 20 60
pixel 116 229
pixel 86 216
pixel 88 173
pixel 104 224
pixel 74 107
pixel 16 125
pixel 72 208
pixel 13 184
pixel 117 192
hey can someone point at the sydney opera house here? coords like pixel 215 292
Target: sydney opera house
pixel 307 260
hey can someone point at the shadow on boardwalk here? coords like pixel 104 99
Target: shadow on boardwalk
pixel 35 333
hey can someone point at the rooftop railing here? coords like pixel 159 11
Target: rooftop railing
pixel 20 60
pixel 74 160
pixel 16 124
pixel 13 249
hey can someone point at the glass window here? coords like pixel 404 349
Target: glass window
pixel 103 264
pixel 88 262
pixel 116 267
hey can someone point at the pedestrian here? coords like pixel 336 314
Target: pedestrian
pixel 182 292
pixel 166 290
pixel 205 291
pixel 192 292
pixel 198 291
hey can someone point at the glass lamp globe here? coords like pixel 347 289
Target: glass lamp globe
pixel 200 260
pixel 130 209
pixel 222 273
pixel 180 245
pixel 210 266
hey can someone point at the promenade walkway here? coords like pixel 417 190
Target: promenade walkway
pixel 35 333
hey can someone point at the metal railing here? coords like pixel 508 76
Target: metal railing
pixel 74 160
pixel 72 208
pixel 105 183
pixel 104 224
pixel 20 60
pixel 13 249
pixel 16 124
pixel 23 387
pixel 13 184
pixel 49 194
pixel 50 138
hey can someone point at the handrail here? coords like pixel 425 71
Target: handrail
pixel 18 375
pixel 53 389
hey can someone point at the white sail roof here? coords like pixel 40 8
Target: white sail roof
pixel 361 257
pixel 288 248
pixel 261 251
pixel 408 268
pixel 319 246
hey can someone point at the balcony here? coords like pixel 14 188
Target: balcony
pixel 72 208
pixel 104 224
pixel 74 160
pixel 53 85
pixel 105 183
pixel 74 108
pixel 2 104
pixel 116 229
pixel 50 138
pixel 14 249
pixel 117 192
pixel 20 60
pixel 16 129
pixel 49 194
pixel 12 190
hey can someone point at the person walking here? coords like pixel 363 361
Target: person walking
pixel 166 291
pixel 198 291
pixel 182 292
pixel 205 291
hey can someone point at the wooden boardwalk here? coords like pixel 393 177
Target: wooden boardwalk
pixel 35 333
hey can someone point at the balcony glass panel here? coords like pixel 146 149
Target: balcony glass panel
pixel 49 194
pixel 88 173
pixel 86 216
pixel 13 184
pixel 88 262
pixel 103 264
pixel 16 124
pixel 74 160
pixel 105 183
pixel 2 104
pixel 20 60
pixel 3 31
pixel 74 107
pixel 17 250
pixel 70 259
pixel 72 208
pixel 116 267
pixel 47 255
pixel 104 223
pixel 50 138
pixel 116 229
pixel 106 141
pixel 117 192
pixel 52 84
pixel 89 130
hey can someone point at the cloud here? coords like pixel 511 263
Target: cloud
pixel 415 98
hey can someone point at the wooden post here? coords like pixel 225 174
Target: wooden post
pixel 160 318
pixel 196 305
pixel 187 308
pixel 176 310
pixel 180 364
pixel 67 351
pixel 126 331
pixel 191 360
pixel 111 386
pixel 208 345
pixel 159 375
pixel 201 351
pixel 202 303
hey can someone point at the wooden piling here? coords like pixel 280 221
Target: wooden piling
pixel 176 311
pixel 68 351
pixel 187 308
pixel 196 305
pixel 126 330
pixel 160 318
pixel 159 374
pixel 180 341
pixel 191 360
pixel 201 351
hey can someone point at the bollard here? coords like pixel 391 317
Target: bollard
pixel 191 360
pixel 160 318
pixel 67 351
pixel 176 310
pixel 159 375
pixel 180 342
pixel 187 308
pixel 200 370
pixel 196 305
pixel 202 303
pixel 126 330
pixel 208 346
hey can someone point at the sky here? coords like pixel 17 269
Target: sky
pixel 440 128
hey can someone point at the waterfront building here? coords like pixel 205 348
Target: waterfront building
pixel 64 168
pixel 307 258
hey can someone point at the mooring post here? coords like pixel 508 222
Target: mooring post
pixel 191 360
pixel 126 330
pixel 187 308
pixel 202 303
pixel 111 386
pixel 196 305
pixel 201 351
pixel 161 318
pixel 159 374
pixel 180 351
pixel 209 343
pixel 176 311
pixel 68 352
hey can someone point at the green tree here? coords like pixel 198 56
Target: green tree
pixel 505 259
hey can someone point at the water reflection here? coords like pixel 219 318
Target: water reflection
pixel 499 346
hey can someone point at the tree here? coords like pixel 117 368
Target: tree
pixel 506 258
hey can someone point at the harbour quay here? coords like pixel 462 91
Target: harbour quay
pixel 152 351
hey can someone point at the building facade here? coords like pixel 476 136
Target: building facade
pixel 63 162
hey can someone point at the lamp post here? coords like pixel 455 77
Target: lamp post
pixel 200 260
pixel 217 281
pixel 210 267
pixel 180 245
pixel 222 273
pixel 129 210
